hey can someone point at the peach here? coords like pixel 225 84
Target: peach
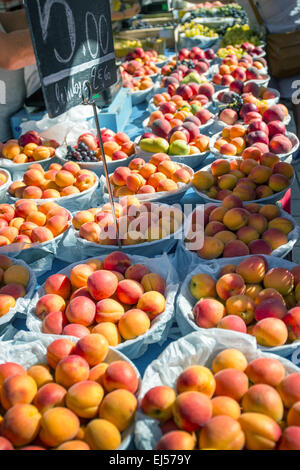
pixel 16 189
pixel 71 369
pixel 258 222
pixel 75 329
pixel 231 383
pixel 289 389
pixel 266 371
pixel 41 234
pixel 269 293
pixel 102 284
pixel 21 424
pixel 49 303
pixel 152 303
pixel 52 433
pixel 233 322
pixel 120 374
pixel 208 312
pixel 49 396
pixel 16 274
pixel 262 398
pixel 176 440
pixel 81 218
pixel 54 323
pixel 17 389
pixel 261 431
pixel 100 434
pixel 129 292
pixel 37 218
pixel 192 410
pixel 212 248
pixel 280 279
pixel 84 398
pixel 222 433
pixel 230 285
pixel 260 174
pixel 196 379
pixel 26 229
pixel 212 228
pixel 229 359
pixel 79 275
pixel 226 406
pixel 95 264
pixel 8 369
pixel 57 350
pixel 109 310
pixel 109 331
pixel 33 177
pixel 158 402
pixel 41 374
pixel 10 233
pixel 58 284
pixel 81 310
pixel 133 323
pixel 270 332
pixel 270 308
pixel 252 269
pixel 93 348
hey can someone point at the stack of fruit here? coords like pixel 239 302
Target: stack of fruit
pixel 145 57
pixel 159 175
pixel 194 30
pixel 251 178
pixel 246 48
pixel 230 404
pixel 58 182
pixel 138 85
pixel 72 401
pixel 14 281
pixel 262 135
pixel 114 298
pixel 233 229
pixel 250 298
pixel 30 147
pixel 243 70
pixel 238 35
pixel 138 223
pixel 135 68
pixel 27 223
pixel 117 146
pixel 250 92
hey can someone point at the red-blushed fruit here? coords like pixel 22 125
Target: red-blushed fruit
pixel 192 410
pixel 117 261
pixel 158 402
pixel 102 284
pixel 176 440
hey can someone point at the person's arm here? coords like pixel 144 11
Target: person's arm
pixel 16 50
pixel 126 14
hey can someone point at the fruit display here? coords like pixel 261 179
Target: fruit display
pixel 249 297
pixel 194 30
pixel 136 68
pixel 236 229
pixel 255 177
pixel 145 57
pixel 246 48
pixel 115 297
pixel 26 222
pixel 250 92
pixel 124 46
pixel 239 34
pixel 57 182
pixel 137 222
pixel 82 396
pixel 143 84
pixel 218 10
pixel 259 135
pixel 230 399
pixel 243 70
pixel 117 146
pixel 159 175
pixel 184 95
pixel 30 147
pixel 14 283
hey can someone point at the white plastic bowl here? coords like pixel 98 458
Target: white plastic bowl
pixel 266 200
pixel 19 168
pixel 140 96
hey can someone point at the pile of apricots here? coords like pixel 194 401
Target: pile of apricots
pixel 14 279
pixel 57 182
pixel 243 69
pixel 233 405
pixel 137 222
pixel 30 147
pixel 250 298
pixel 26 222
pixel 233 229
pixel 114 298
pixel 160 174
pixel 74 401
pixel 256 176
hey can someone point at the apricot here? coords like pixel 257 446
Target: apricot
pixel 81 310
pixel 265 370
pixel 280 279
pixel 235 218
pixel 261 431
pixel 41 374
pixel 289 389
pixel 21 424
pixel 6 303
pixel 262 398
pixel 226 406
pixel 52 432
pixel 5 444
pixel 203 180
pixel 196 379
pixel 232 322
pixel 93 348
pixel 71 369
pixel 74 329
pixel 229 285
pixel 102 284
pixel 270 332
pixel 120 374
pixel 229 359
pixel 73 445
pixel 176 440
pixel 232 383
pixel 202 285
pixel 84 398
pixel 290 439
pixel 158 402
pixel 153 303
pixel 48 396
pixel 8 369
pixel 281 223
pixel 212 248
pixel 109 331
pixel 49 303
pixel 222 433
pixel 192 410
pixel 252 269
pixel 16 274
pixel 80 274
pixel 101 434
pixel 97 372
pixel 136 272
pixel 208 312
pixel 133 323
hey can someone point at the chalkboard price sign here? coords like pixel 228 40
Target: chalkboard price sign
pixel 73 44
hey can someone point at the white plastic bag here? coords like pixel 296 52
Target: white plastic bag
pixel 160 326
pixel 195 349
